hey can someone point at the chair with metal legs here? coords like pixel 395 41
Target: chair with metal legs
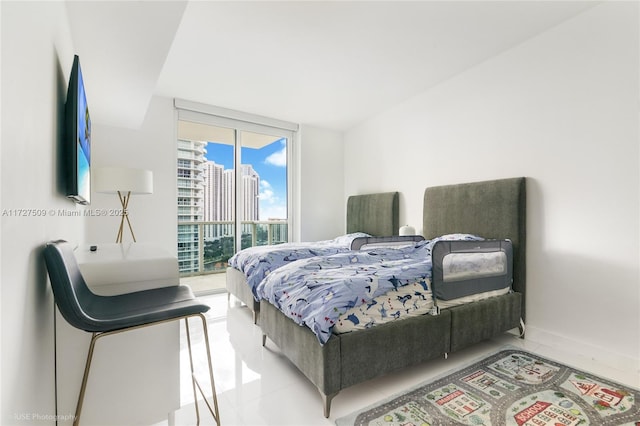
pixel 107 315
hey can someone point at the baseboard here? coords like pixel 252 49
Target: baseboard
pixel 597 353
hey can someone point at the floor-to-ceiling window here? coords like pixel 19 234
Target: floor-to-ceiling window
pixel 233 180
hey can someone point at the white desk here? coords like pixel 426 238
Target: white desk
pixel 123 268
pixel 135 376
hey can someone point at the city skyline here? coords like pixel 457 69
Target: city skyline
pixel 206 181
pixel 270 163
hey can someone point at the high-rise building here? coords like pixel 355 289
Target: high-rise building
pixel 228 195
pixel 212 191
pixel 206 193
pixel 250 193
pixel 219 193
pixel 213 187
pixel 190 182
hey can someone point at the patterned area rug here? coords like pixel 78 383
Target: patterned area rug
pixel 511 387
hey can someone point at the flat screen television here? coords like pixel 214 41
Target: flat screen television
pixel 77 139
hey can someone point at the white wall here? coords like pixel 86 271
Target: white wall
pixel 152 147
pixel 37 55
pixel 322 201
pixel 561 109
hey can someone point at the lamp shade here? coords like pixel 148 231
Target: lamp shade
pixel 114 179
pixel 407 230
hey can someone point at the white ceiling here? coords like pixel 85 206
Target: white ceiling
pixel 327 63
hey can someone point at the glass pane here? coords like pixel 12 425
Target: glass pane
pixel 207 191
pixel 264 180
pixel 218 205
pixel 189 183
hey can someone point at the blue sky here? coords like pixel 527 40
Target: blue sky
pixel 270 163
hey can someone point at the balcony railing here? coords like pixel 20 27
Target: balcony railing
pixel 205 247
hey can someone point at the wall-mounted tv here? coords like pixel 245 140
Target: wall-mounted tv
pixel 77 139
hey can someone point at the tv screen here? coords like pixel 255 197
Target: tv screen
pixel 77 138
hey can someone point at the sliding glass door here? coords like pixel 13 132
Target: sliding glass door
pixel 233 190
pixel 264 204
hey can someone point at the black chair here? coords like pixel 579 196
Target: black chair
pixel 107 315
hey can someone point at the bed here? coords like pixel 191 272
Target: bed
pixel 371 214
pixel 492 209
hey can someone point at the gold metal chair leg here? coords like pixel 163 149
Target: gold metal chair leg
pixel 215 413
pixel 214 410
pixel 193 380
pixel 85 377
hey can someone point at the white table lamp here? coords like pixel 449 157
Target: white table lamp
pixel 407 230
pixel 124 182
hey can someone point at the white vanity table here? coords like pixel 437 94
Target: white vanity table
pixel 135 376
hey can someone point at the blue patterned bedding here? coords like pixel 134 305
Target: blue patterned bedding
pixel 257 262
pixel 316 291
pixel 410 300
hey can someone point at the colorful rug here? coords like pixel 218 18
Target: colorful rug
pixel 509 388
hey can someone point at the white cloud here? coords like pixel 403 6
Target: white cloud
pixel 271 206
pixel 278 159
pixel 268 196
pixel 266 193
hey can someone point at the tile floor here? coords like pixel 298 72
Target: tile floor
pixel 209 283
pixel 258 386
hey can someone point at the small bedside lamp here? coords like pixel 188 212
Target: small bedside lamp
pixel 407 230
pixel 123 182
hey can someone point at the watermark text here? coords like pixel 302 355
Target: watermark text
pixel 61 212
pixel 40 417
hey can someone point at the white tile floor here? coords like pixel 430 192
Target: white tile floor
pixel 258 386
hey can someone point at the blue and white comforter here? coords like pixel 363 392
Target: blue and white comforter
pixel 259 261
pixel 411 300
pixel 316 291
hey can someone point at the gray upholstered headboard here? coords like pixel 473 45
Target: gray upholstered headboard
pixel 490 209
pixel 375 214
